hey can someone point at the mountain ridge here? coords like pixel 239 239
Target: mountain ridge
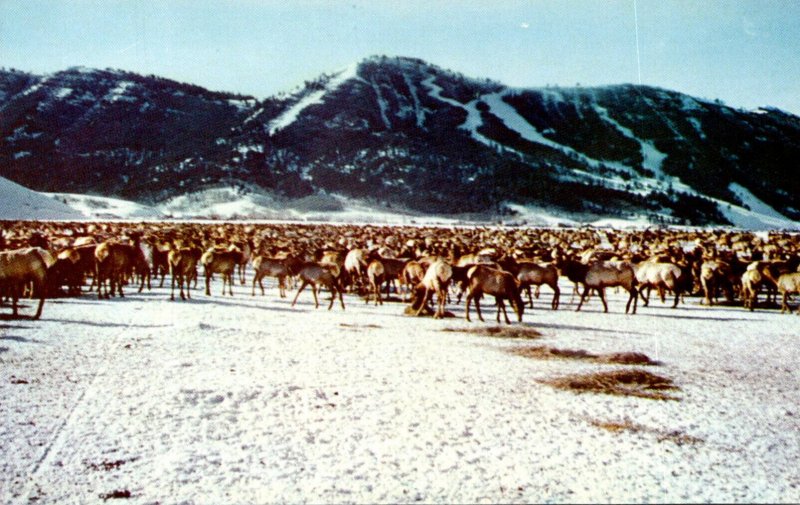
pixel 402 132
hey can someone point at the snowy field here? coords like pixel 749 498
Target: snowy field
pixel 247 400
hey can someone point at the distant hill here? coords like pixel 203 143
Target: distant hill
pixel 400 132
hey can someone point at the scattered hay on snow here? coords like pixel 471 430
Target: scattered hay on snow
pixel 676 436
pixel 426 312
pixel 360 326
pixel 638 383
pixel 618 358
pixel 518 332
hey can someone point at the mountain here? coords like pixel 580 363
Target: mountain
pixel 404 134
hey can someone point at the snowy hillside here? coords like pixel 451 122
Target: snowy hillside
pixel 17 202
pixel 20 203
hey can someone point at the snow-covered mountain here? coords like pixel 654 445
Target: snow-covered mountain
pixel 400 133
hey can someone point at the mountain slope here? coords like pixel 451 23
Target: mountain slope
pixel 402 132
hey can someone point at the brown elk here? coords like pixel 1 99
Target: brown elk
pixel 320 274
pixel 182 269
pixel 412 275
pixel 270 267
pixel 22 266
pixel 530 273
pixel 221 261
pixel 788 284
pixel 65 270
pixel 375 274
pixel 662 276
pixel 355 265
pixel 245 247
pixel 610 274
pixel 751 283
pixel 160 263
pixel 498 283
pixel 436 280
pixel 113 262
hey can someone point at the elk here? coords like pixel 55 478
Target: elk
pixel 436 280
pixel 160 263
pixel 375 274
pixel 393 270
pixel 271 267
pixel 65 270
pixel 751 283
pixel 223 262
pixel 610 274
pixel 182 269
pixel 788 284
pixel 113 261
pixel 713 278
pixel 771 272
pixel 574 270
pixel 355 264
pixel 529 273
pixel 245 247
pixel 21 266
pixel 498 283
pixel 662 276
pixel 412 275
pixel 316 274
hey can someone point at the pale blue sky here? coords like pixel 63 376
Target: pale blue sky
pixel 745 52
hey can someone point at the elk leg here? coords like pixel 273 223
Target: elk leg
pixel 583 297
pixel 302 287
pixel 15 299
pixel 602 293
pixel 423 302
pixel 478 307
pixel 333 297
pixel 633 298
pixel 442 300
pixel 645 298
pixel 41 288
pixel 556 296
pixel 314 292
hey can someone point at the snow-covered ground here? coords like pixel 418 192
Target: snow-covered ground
pixel 247 400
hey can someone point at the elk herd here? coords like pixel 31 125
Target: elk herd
pixel 418 264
